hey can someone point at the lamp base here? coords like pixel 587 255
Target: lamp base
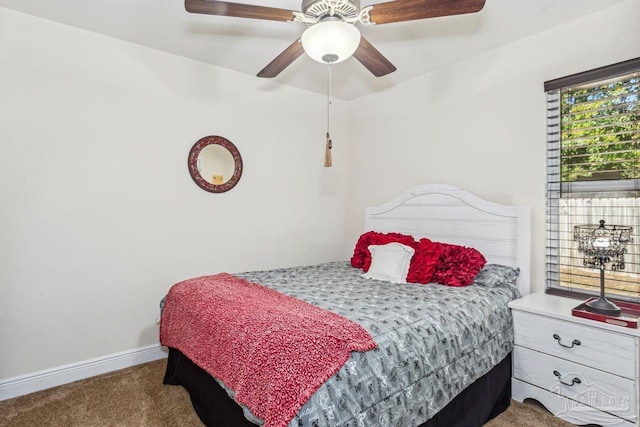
pixel 603 306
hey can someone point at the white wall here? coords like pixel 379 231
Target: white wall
pixel 99 214
pixel 480 123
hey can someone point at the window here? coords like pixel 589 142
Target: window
pixel 593 173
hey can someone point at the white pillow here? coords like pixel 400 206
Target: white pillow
pixel 389 262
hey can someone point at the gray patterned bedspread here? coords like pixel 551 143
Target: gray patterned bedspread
pixel 433 341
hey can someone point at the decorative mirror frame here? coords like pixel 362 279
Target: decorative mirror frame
pixel 193 164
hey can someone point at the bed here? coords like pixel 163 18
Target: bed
pixel 442 354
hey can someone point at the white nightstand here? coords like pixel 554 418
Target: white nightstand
pixel 583 371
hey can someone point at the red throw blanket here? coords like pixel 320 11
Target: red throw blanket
pixel 273 350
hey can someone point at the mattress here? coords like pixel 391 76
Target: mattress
pixel 433 342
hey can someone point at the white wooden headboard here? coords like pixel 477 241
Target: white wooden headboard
pixel 449 214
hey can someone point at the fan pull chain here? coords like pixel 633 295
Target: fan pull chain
pixel 329 145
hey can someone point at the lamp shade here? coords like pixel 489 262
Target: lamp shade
pixel 603 243
pixel 330 38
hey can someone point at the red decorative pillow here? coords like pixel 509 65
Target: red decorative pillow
pixel 362 257
pixel 458 265
pixel 424 261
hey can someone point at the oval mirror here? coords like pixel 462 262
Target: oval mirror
pixel 215 164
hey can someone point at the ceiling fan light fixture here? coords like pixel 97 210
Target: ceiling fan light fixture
pixel 330 39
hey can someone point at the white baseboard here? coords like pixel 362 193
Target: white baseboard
pixel 25 384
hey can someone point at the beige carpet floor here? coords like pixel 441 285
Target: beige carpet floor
pixel 136 397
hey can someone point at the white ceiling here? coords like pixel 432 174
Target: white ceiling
pixel 247 45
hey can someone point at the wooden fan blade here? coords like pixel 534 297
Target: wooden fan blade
pixel 283 60
pixel 239 10
pixel 411 10
pixel 372 59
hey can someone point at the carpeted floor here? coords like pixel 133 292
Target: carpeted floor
pixel 137 397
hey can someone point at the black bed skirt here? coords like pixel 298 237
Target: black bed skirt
pixel 480 402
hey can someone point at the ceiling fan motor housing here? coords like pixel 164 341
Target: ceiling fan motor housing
pixel 320 9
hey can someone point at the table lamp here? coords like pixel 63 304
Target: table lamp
pixel 601 245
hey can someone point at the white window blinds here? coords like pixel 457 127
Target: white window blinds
pixel 593 173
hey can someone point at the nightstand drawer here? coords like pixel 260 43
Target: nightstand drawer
pixel 584 385
pixel 604 350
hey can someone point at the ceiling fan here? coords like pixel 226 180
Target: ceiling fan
pixel 331 35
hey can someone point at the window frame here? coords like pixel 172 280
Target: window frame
pixel 554 184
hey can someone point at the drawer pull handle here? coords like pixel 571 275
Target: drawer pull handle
pixel 575 380
pixel 574 342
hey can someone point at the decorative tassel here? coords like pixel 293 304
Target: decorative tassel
pixel 327 152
